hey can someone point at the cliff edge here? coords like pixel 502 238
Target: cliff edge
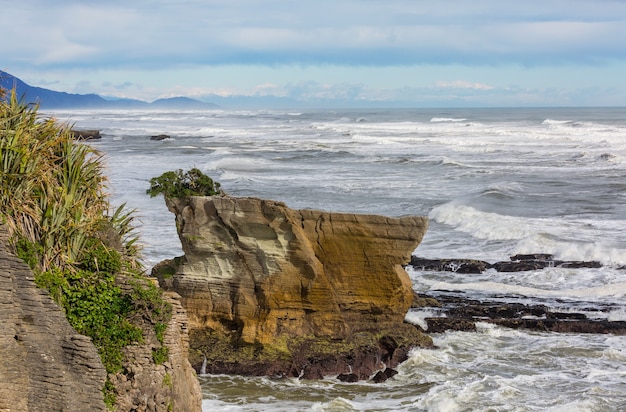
pixel 273 290
pixel 45 365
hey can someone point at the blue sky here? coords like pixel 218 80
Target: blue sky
pixel 420 53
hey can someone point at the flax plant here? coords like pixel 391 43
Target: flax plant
pixel 52 189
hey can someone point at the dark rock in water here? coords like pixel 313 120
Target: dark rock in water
pixel 159 137
pixel 450 265
pixel 390 373
pixel 557 325
pixel 348 377
pixel 521 266
pixel 577 265
pixel 380 377
pixel 533 256
pixel 518 263
pixel 461 314
pixel 439 325
pixel 85 134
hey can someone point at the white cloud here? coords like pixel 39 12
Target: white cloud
pixel 351 49
pixel 463 84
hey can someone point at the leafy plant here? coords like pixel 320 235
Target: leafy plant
pixel 54 204
pixel 52 190
pixel 176 184
pixel 159 356
pixel 95 307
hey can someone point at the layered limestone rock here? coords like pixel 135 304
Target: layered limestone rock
pixel 274 279
pixel 45 365
pixel 172 385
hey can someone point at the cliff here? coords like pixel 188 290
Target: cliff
pixel 171 385
pixel 296 292
pixel 45 365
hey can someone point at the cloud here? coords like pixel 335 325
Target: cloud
pixel 463 84
pixel 156 34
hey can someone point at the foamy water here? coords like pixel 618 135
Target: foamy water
pixel 493 182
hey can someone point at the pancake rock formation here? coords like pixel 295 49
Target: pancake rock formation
pixel 272 290
pixel 45 364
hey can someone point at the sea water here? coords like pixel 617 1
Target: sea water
pixel 493 182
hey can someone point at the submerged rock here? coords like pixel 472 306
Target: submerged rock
pixel 274 291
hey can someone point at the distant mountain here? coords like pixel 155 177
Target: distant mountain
pixel 181 103
pixel 50 99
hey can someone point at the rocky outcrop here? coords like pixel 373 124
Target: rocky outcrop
pixel 461 314
pixel 457 312
pixel 272 290
pixel 86 134
pixel 517 263
pixel 171 385
pixel 45 365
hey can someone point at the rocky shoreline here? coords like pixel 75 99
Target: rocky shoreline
pixel 455 311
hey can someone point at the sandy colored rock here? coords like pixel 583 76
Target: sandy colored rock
pixel 257 271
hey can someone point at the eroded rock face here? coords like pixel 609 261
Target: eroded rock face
pixel 172 385
pixel 261 273
pixel 45 365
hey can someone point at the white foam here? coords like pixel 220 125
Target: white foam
pixel 482 225
pixel 613 290
pixel 447 119
pixel 418 317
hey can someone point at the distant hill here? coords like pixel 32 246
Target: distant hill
pixel 181 103
pixel 50 99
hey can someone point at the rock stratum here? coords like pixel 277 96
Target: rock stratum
pixel 277 291
pixel 47 366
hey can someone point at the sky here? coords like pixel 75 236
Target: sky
pixel 342 52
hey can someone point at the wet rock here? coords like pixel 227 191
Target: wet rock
pixel 85 134
pixel 438 325
pixel 522 265
pixel 533 256
pixel 461 314
pixel 348 377
pixel 380 377
pixel 159 137
pixel 450 265
pixel 518 263
pixel 577 265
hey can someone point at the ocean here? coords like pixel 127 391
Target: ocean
pixel 493 182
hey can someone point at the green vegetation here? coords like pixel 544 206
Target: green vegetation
pixel 176 184
pixel 54 204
